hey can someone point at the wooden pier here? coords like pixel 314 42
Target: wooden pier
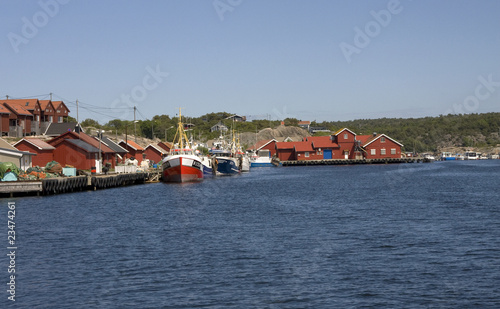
pixel 349 161
pixel 59 185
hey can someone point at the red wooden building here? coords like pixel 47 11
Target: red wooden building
pixel 77 153
pixel 378 146
pixel 4 120
pixel 44 151
pixel 165 146
pixel 155 153
pixel 108 155
pixel 268 144
pixel 19 119
pixel 134 150
pixel 61 111
pixel 285 151
pixel 344 144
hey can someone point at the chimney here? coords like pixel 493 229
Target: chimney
pixel 374 133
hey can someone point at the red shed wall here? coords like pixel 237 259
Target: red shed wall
pixel 378 145
pixel 42 156
pixel 152 155
pixel 67 154
pixel 285 154
pixel 5 122
pixel 271 147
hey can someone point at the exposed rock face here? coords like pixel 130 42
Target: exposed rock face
pixel 279 133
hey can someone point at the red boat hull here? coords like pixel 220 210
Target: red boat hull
pixel 182 169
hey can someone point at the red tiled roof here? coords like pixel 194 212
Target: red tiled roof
pixel 28 104
pixel 44 103
pixel 324 144
pixel 37 143
pixel 363 138
pixel 4 110
pixel 285 145
pixel 303 146
pixel 132 144
pixel 17 109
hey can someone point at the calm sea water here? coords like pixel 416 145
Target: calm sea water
pixel 386 236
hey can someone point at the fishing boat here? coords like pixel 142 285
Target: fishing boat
pixel 261 159
pixel 225 163
pixel 447 156
pixel 182 164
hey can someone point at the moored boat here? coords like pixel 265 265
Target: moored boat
pixel 447 156
pixel 261 159
pixel 182 164
pixel 225 163
pixel 470 155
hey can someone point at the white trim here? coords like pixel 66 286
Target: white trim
pixel 28 140
pixel 159 149
pixel 127 145
pixel 385 137
pixel 266 144
pixel 344 130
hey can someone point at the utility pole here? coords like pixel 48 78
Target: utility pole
pixel 152 132
pixel 135 131
pixel 77 119
pixel 7 97
pixel 50 96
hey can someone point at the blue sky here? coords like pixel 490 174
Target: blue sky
pixel 257 58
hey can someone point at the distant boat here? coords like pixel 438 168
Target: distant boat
pixel 182 164
pixel 429 158
pixel 447 156
pixel 261 159
pixel 470 155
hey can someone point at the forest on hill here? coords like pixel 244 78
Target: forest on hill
pixel 417 134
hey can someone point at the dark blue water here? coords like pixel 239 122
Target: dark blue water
pixel 379 236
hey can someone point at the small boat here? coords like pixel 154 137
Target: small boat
pixel 428 158
pixel 226 164
pixel 261 159
pixel 182 164
pixel 447 156
pixel 470 155
pixel 208 166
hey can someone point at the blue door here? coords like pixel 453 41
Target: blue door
pixel 327 154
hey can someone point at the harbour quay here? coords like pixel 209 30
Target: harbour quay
pixel 350 161
pixel 50 186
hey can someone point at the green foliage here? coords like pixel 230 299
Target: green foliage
pixel 419 134
pixel 203 150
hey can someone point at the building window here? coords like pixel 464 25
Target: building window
pixel 393 150
pixel 346 136
pixel 373 152
pixel 382 151
pixel 306 154
pixel 60 119
pixel 382 139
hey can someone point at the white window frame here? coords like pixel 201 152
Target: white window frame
pixel 373 152
pixel 382 139
pixel 382 151
pixel 393 151
pixel 346 136
pixel 306 154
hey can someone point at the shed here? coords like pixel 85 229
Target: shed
pixel 155 153
pixel 44 151
pixel 285 151
pixel 77 153
pixel 378 146
pixel 9 153
pixel 134 150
